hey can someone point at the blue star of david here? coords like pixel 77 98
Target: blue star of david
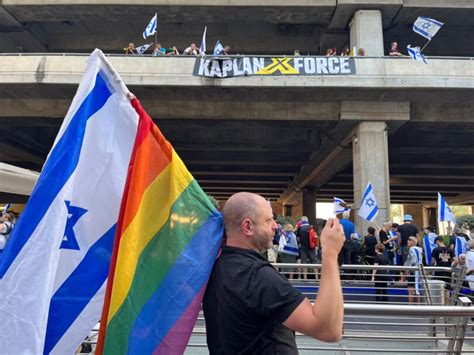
pixel 426 26
pixel 370 202
pixel 74 213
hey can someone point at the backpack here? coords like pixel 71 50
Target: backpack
pixel 313 238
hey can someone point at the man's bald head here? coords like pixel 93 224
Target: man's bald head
pixel 238 207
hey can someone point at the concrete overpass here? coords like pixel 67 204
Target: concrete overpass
pixel 256 27
pixel 290 138
pixel 295 139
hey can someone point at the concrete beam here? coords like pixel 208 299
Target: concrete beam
pixel 375 73
pixel 375 111
pixel 333 155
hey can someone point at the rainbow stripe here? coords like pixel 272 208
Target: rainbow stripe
pixel 168 236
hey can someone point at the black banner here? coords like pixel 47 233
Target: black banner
pixel 278 66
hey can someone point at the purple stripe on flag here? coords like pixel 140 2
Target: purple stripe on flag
pixel 176 340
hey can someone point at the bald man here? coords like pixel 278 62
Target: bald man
pixel 249 307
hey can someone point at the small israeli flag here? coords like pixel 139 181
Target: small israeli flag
pixel 444 212
pixel 416 54
pixel 368 208
pixel 202 47
pixel 218 48
pixel 340 205
pixel 151 28
pixel 7 207
pixel 427 27
pixel 143 49
pixel 460 246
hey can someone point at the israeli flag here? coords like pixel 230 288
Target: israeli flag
pixel 54 269
pixel 427 27
pixel 429 245
pixel 7 207
pixel 416 54
pixel 460 246
pixel 340 205
pixel 151 28
pixel 143 49
pixel 218 48
pixel 202 47
pixel 368 208
pixel 444 212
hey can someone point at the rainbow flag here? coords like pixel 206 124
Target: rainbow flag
pixel 167 240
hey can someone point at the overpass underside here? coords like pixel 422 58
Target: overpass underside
pixel 402 125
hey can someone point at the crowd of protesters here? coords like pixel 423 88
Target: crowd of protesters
pixel 193 50
pixel 392 244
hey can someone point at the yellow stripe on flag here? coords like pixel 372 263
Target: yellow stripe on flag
pixel 153 213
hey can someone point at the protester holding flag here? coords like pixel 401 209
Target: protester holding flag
pixel 249 307
pixel 429 243
pixel 444 257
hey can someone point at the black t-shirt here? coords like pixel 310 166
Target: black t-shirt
pixel 407 230
pixel 383 236
pixel 381 259
pixel 303 235
pixel 370 241
pixel 443 256
pixel 245 304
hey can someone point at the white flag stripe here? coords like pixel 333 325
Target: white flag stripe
pixel 444 212
pixel 427 27
pixel 37 272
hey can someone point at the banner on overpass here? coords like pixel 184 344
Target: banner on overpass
pixel 278 66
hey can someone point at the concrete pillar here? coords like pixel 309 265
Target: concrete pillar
pixel 416 211
pixel 367 32
pixel 370 162
pixel 309 205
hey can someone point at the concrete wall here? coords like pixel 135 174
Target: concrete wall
pixel 378 73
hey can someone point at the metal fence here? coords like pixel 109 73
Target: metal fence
pixel 437 321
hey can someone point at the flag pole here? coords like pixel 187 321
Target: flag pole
pixel 421 50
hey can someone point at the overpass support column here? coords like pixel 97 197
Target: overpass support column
pixel 309 205
pixel 370 163
pixel 367 32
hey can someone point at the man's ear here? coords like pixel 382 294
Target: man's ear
pixel 246 226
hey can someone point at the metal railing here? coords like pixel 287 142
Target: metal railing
pixel 435 324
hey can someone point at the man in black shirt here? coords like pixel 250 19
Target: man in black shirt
pixel 248 306
pixel 442 256
pixel 406 230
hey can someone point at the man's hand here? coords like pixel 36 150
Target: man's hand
pixel 332 237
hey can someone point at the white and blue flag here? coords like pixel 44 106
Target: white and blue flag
pixel 54 269
pixel 429 245
pixel 150 30
pixel 202 47
pixel 416 54
pixel 218 48
pixel 444 212
pixel 368 207
pixel 427 27
pixel 340 205
pixel 460 247
pixel 7 207
pixel 144 48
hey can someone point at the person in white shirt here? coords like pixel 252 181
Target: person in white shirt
pixel 470 264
